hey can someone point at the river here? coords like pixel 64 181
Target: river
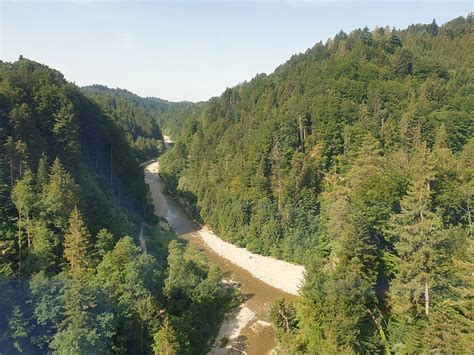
pixel 247 328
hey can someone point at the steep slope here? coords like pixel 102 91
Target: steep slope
pixel 140 126
pixel 72 200
pixel 322 162
pixel 142 116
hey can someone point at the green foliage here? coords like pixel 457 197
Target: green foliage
pixel 104 242
pixel 18 327
pixel 77 244
pixel 354 158
pixel 165 342
pixel 283 316
pixel 88 326
pixel 70 185
pixel 59 196
pixel 191 289
pixel 141 126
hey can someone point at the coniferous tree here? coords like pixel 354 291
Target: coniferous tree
pixel 422 248
pixel 42 256
pixel 42 177
pixel 165 341
pixel 104 242
pixel 434 28
pixel 24 198
pixel 77 244
pixel 59 196
pixel 18 326
pixel 88 326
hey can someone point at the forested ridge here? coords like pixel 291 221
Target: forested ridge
pixel 142 117
pixel 356 159
pixel 141 127
pixel 72 200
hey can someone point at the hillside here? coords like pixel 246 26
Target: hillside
pixel 354 158
pixel 141 128
pixel 142 117
pixel 72 200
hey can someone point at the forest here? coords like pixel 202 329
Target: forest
pixel 142 117
pixel 73 277
pixel 355 158
pixel 140 126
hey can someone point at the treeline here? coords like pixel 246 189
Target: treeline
pixel 356 159
pixel 72 279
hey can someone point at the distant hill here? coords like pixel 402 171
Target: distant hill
pixel 144 112
pixel 141 126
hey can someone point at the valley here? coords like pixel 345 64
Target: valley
pixel 247 327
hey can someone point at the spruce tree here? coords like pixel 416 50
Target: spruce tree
pixel 24 198
pixel 42 177
pixel 422 250
pixel 18 327
pixel 165 340
pixel 104 243
pixel 76 244
pixel 59 196
pixel 88 326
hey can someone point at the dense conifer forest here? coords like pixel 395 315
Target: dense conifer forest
pixel 73 279
pixel 142 117
pixel 355 158
pixel 140 126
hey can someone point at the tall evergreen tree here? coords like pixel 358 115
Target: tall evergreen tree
pixel 88 326
pixel 77 244
pixel 18 326
pixel 422 248
pixel 165 341
pixel 59 196
pixel 24 197
pixel 42 177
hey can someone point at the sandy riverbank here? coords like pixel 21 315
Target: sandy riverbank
pixel 245 329
pixel 277 273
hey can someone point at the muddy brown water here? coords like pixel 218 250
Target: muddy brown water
pixel 253 339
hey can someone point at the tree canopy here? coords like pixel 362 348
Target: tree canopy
pixel 351 158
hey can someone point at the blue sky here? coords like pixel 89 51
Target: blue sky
pixel 189 50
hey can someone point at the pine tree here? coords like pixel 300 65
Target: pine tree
pixel 465 190
pixel 418 235
pixel 450 330
pixel 434 28
pixel 368 161
pixel 42 256
pixel 23 196
pixel 165 341
pixel 76 244
pixel 8 236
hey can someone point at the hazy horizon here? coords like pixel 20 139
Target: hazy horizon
pixel 188 50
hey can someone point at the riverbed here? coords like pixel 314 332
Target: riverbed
pixel 247 328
